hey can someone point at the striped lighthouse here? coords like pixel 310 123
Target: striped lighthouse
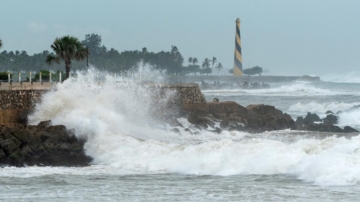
pixel 237 55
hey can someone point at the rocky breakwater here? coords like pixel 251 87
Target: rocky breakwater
pixel 312 122
pixel 41 145
pixel 232 116
pixel 254 118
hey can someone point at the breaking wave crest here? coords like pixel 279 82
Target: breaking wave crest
pixel 321 108
pixel 350 77
pixel 349 113
pixel 122 138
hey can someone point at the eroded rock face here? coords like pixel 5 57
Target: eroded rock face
pixel 42 145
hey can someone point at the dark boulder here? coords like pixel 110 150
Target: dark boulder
pixel 267 118
pixel 329 112
pixel 299 120
pixel 173 122
pixel 224 123
pixel 348 129
pixel 42 145
pixel 330 119
pixel 311 118
pixel 197 120
pixel 175 130
pixel 323 128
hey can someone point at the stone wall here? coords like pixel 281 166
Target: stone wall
pixel 16 104
pixel 17 100
pixel 182 93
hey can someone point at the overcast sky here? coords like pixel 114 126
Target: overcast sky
pixel 285 37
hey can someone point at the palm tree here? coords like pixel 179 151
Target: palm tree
pixel 213 61
pixel 67 48
pixel 195 61
pixel 190 60
pixel 206 63
pixel 218 67
pixel 0 43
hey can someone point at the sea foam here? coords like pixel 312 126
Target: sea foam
pixel 122 138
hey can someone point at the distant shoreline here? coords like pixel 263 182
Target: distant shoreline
pixel 267 79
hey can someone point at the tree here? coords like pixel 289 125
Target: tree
pixel 93 42
pixel 206 66
pixel 213 61
pixel 190 60
pixel 218 67
pixel 0 43
pixel 206 63
pixel 195 61
pixel 67 48
pixel 206 71
pixel 253 71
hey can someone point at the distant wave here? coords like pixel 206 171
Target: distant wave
pixel 293 89
pixel 321 108
pixel 350 77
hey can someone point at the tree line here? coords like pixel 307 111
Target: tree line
pixel 71 52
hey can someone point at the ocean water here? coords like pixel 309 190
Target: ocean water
pixel 137 158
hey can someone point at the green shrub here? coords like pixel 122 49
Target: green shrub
pixel 4 76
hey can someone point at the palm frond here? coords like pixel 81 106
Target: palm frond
pixel 50 59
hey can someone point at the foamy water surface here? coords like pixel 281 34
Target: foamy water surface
pixel 138 158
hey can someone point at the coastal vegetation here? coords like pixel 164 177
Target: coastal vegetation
pixel 67 48
pixel 4 76
pixel 251 71
pixel 169 62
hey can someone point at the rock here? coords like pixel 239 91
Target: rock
pixel 9 146
pixel 188 130
pixel 324 128
pixel 215 99
pixel 43 124
pixel 2 154
pixel 194 118
pixel 224 123
pixel 299 120
pixel 175 130
pixel 41 145
pixel 209 122
pixel 21 135
pixel 311 118
pixel 348 129
pixel 173 122
pixel 218 130
pixel 266 118
pixel 197 120
pixel 329 112
pixel 330 119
